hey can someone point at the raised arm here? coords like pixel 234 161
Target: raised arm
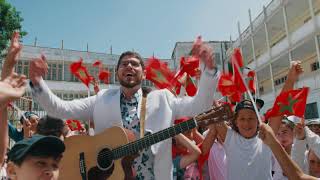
pixel 12 56
pixel 193 150
pixel 11 88
pixel 202 101
pixel 81 109
pixel 293 75
pixel 4 139
pixel 289 167
pixel 209 139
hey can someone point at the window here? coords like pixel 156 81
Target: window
pixel 280 80
pixel 261 89
pixel 54 72
pixel 60 72
pixel 311 111
pixel 314 66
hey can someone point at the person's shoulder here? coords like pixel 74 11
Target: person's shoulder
pixel 105 92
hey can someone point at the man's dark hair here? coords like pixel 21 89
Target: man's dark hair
pixel 133 54
pixel 48 125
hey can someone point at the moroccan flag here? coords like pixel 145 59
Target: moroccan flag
pixel 80 72
pixel 237 64
pixel 73 124
pixel 190 86
pixel 159 73
pixel 189 65
pixel 251 81
pixel 104 76
pixel 97 63
pixel 291 102
pixel 228 88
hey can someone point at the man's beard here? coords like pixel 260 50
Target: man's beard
pixel 130 84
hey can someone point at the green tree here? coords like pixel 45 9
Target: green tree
pixel 10 21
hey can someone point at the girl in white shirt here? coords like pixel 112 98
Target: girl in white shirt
pixel 247 156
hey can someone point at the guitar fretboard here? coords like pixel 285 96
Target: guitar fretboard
pixel 134 147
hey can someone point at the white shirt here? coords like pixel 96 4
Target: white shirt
pixel 278 173
pixel 247 159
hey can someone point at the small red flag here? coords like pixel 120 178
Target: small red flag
pixel 237 65
pixel 104 76
pixel 74 125
pixel 190 86
pixel 291 102
pixel 159 73
pixel 80 72
pixel 228 88
pixel 251 83
pixel 97 63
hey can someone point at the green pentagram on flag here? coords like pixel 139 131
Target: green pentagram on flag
pixel 292 101
pixel 82 74
pixel 159 76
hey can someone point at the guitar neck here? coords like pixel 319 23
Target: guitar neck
pixel 147 141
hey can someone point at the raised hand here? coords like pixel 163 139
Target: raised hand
pixel 266 134
pixel 204 52
pixel 38 69
pixel 11 88
pixel 299 132
pixel 295 70
pixel 12 56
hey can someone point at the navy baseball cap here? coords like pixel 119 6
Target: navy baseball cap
pixel 26 146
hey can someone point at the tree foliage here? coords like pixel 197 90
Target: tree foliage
pixel 10 21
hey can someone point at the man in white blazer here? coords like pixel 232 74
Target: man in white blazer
pixel 106 108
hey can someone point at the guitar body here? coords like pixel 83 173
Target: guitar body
pixel 89 147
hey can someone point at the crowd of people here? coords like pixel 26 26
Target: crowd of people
pixel 287 147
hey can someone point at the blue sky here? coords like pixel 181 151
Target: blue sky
pixel 147 26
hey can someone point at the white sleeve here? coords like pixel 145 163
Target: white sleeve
pixel 81 109
pixel 298 150
pixel 313 141
pixel 202 101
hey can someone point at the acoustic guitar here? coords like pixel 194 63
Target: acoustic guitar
pixel 108 155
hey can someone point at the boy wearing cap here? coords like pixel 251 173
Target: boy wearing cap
pixel 29 126
pixel 314 125
pixel 34 158
pixel 285 138
pixel 307 158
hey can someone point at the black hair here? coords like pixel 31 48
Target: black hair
pixel 49 125
pixel 133 54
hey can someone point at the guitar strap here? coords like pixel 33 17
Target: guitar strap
pixel 145 92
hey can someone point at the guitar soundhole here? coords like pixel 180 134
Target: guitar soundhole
pixel 105 159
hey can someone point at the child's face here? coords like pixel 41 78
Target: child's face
pixel 247 123
pixel 285 135
pixel 35 168
pixel 314 164
pixel 315 128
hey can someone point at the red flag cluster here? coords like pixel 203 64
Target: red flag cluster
pixel 233 85
pixel 288 103
pixel 80 71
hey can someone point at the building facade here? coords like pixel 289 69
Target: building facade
pixel 59 78
pixel 284 31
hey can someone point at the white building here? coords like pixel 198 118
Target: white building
pixel 59 78
pixel 183 49
pixel 285 30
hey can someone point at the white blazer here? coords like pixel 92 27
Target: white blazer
pixel 162 109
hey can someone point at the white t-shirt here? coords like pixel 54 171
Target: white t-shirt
pixel 247 159
pixel 278 173
pixel 3 173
